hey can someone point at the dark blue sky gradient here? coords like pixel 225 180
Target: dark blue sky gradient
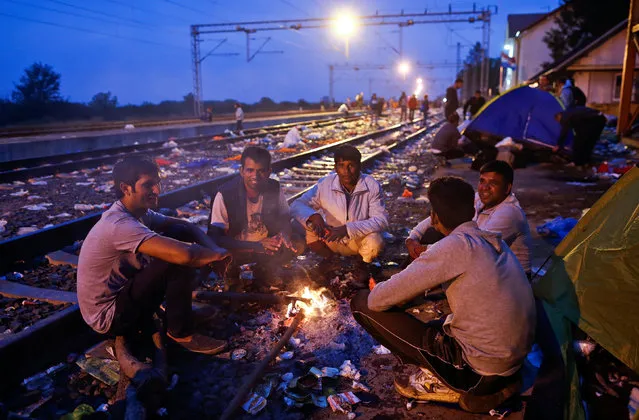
pixel 140 49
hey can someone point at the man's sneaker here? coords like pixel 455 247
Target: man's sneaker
pixel 423 386
pixel 485 403
pixel 199 343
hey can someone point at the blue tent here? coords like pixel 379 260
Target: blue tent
pixel 523 113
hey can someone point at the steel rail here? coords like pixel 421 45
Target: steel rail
pixel 23 169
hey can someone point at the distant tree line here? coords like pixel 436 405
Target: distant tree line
pixel 37 99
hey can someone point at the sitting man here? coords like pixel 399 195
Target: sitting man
pixel 474 356
pixel 250 216
pixel 496 209
pixel 446 141
pixel 126 268
pixel 344 213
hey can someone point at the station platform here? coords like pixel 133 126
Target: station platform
pixel 14 148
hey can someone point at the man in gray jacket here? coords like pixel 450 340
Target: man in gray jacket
pixel 344 213
pixel 473 356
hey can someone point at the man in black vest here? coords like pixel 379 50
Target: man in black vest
pixel 250 215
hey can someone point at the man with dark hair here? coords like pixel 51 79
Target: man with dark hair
pixel 452 101
pixel 587 124
pixel 474 104
pixel 496 209
pixel 250 215
pixel 126 267
pixel 344 213
pixel 475 355
pixel 446 141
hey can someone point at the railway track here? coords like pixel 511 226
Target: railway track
pixel 23 169
pixel 296 173
pixel 26 131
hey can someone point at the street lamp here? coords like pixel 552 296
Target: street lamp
pixel 344 25
pixel 403 68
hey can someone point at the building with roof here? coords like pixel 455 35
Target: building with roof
pixel 524 43
pixel 596 69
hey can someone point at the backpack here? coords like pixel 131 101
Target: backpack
pixel 579 98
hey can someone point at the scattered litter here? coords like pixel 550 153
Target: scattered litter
pixel 83 207
pixel 412 168
pixel 287 377
pixel 105 370
pixel 342 402
pixel 581 184
pixel 348 370
pixel 170 144
pixel 3 223
pixel 381 350
pixel 287 355
pixel 37 207
pixel 104 187
pixel 584 347
pixel 254 404
pixel 84 184
pixel 238 354
pixel 60 216
pixel 292 138
pixel 20 193
pixel 556 229
pixel 37 182
pixel 358 386
pixel 129 127
pixel 499 413
pixel 26 229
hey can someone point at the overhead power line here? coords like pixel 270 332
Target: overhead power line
pixel 66 12
pixel 155 12
pixel 98 12
pixel 90 31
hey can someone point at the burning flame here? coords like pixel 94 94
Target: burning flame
pixel 318 303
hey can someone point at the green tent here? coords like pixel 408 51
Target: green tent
pixel 593 281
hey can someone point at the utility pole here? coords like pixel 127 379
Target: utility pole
pixel 458 58
pixel 627 76
pixel 331 68
pixel 197 75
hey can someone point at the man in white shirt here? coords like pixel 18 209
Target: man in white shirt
pixel 250 215
pixel 496 209
pixel 344 213
pixel 239 117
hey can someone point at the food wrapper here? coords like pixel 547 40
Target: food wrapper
pixel 342 402
pixel 254 404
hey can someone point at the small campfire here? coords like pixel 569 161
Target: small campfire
pixel 317 306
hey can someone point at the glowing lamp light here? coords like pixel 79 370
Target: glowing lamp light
pixel 345 23
pixel 403 68
pixel 420 81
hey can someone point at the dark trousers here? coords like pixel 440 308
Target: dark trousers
pixel 238 125
pixel 142 296
pixel 586 136
pixel 425 345
pixel 411 115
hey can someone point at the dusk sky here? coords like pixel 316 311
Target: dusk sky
pixel 140 49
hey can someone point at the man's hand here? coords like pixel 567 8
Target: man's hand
pixel 317 224
pixel 286 241
pixel 271 245
pixel 414 248
pixel 336 233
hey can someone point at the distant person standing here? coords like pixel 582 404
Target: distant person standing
pixel 424 109
pixel 348 103
pixel 239 117
pixel 452 101
pixel 374 106
pixel 412 107
pixel 403 103
pixel 474 104
pixel 587 124
pixel 564 86
pixel 360 100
